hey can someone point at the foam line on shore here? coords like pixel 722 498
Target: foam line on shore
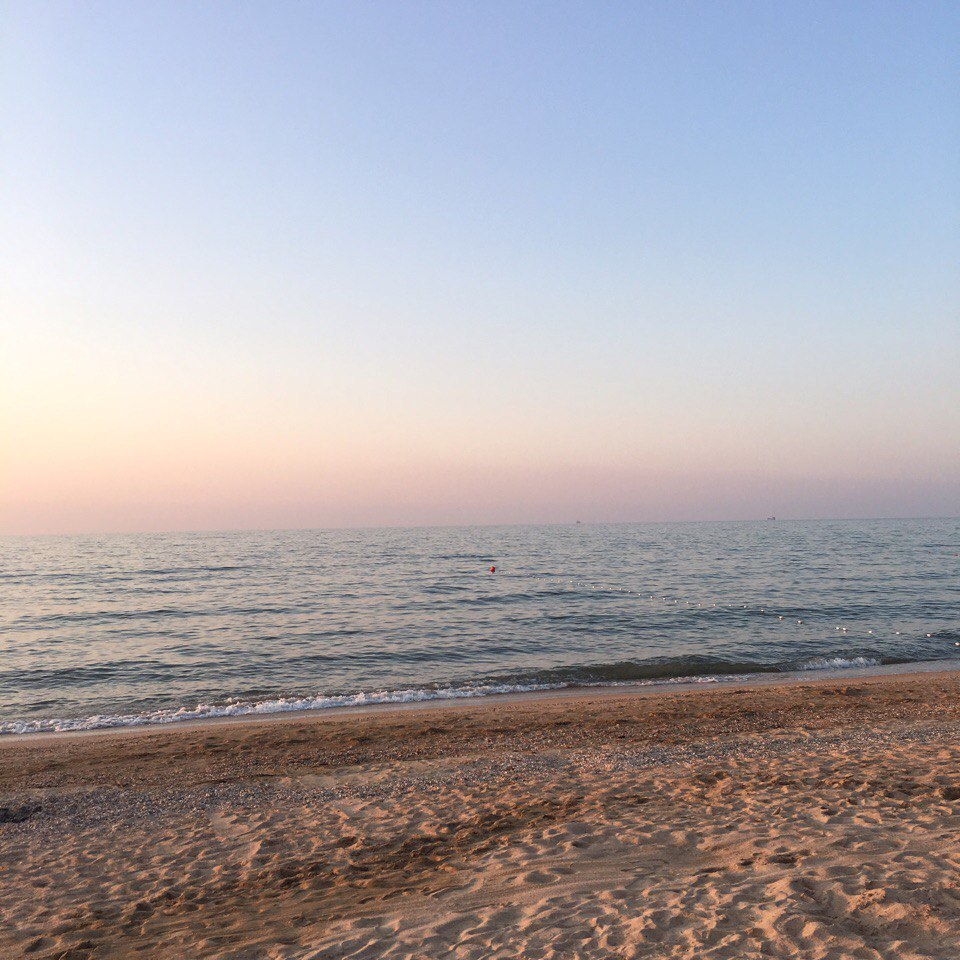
pixel 281 705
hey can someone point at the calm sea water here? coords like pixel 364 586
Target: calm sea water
pixel 99 631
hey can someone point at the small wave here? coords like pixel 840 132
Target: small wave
pixel 615 676
pixel 654 669
pixel 265 707
pixel 299 704
pixel 838 663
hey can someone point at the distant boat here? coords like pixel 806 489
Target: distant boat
pixel 771 518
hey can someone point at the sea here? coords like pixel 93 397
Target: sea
pixel 125 630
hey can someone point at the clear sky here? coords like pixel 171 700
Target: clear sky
pixel 361 263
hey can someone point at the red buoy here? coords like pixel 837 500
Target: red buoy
pixel 493 569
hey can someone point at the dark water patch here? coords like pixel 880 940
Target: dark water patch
pixel 656 668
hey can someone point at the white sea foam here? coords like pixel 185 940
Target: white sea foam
pixel 838 663
pixel 239 708
pixel 265 707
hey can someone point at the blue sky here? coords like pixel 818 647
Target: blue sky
pixel 363 263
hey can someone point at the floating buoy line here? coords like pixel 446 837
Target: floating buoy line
pixel 667 600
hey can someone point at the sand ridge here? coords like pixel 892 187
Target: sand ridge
pixel 814 821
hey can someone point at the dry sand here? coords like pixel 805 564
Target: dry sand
pixel 804 820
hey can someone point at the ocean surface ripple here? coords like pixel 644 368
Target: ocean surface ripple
pixel 126 630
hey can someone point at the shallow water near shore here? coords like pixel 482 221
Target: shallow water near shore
pixel 127 630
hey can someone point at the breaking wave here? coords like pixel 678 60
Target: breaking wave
pixel 598 675
pixel 838 663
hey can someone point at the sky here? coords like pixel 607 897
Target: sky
pixel 373 263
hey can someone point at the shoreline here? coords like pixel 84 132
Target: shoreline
pixel 646 688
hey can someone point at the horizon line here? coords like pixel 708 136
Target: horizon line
pixel 460 526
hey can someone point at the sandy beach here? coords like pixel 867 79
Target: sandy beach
pixel 809 820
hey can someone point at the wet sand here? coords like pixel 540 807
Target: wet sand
pixel 808 820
